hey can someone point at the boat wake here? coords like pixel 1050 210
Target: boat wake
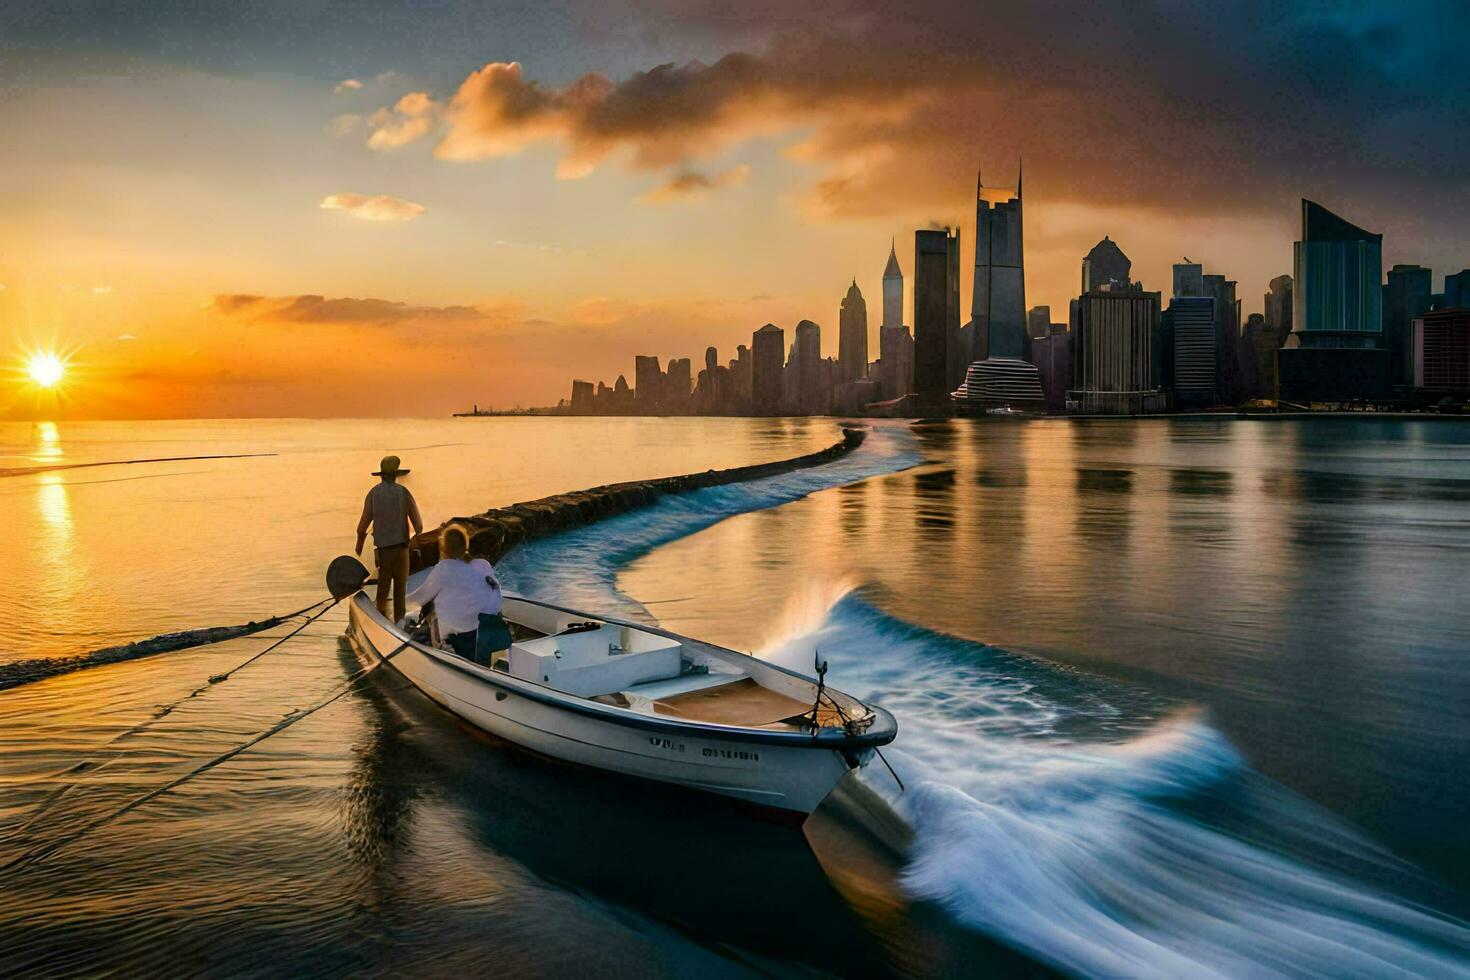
pixel 1092 825
pixel 1104 831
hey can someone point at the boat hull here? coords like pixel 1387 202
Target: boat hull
pixel 791 773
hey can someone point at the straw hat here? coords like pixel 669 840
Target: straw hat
pixel 389 467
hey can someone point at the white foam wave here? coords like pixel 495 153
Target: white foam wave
pixel 1084 859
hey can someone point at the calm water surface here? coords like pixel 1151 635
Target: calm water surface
pixel 1174 697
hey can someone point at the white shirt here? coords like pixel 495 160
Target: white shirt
pixel 460 593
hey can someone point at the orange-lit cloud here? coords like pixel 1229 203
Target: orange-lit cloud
pixel 347 85
pixel 410 118
pixel 374 207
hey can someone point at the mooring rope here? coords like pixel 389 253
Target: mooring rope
pixel 90 767
pixel 51 847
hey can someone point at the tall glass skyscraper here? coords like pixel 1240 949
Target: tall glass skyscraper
pixel 1339 275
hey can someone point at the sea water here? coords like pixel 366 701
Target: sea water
pixel 1174 698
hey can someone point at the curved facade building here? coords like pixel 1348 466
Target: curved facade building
pixel 1000 382
pixel 1339 276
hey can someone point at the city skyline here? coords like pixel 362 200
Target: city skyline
pixel 197 226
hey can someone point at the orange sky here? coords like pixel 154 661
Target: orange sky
pixel 419 219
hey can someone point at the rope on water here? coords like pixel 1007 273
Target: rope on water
pixel 332 603
pixel 91 767
pixel 51 847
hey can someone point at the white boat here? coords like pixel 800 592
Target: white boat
pixel 642 701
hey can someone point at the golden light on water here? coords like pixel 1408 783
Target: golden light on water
pixel 46 370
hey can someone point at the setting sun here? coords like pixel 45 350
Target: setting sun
pixel 46 369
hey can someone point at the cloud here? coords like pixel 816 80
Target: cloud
pixel 126 337
pixel 376 207
pixel 1202 110
pixel 101 290
pixel 347 85
pixel 312 308
pixel 411 117
pixel 688 184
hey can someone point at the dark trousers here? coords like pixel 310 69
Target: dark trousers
pixel 482 644
pixel 393 572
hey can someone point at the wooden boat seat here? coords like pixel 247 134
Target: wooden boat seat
pixel 742 702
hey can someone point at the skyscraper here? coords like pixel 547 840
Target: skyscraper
pixel 936 297
pixel 1441 354
pixel 1337 322
pixel 1191 323
pixel 998 304
pixel 1227 336
pixel 1105 264
pixel 1116 356
pixel 1000 374
pixel 895 361
pixel 768 355
pixel 1339 268
pixel 648 384
pixel 892 290
pixel 1405 296
pixel 812 394
pixel 852 336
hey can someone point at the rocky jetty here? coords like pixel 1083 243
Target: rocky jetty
pixel 21 672
pixel 495 532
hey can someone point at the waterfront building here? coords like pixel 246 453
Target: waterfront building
pixel 808 388
pixel 1333 354
pixel 1116 354
pixel 1441 352
pixel 852 335
pixel 1258 352
pixel 583 397
pixel 648 380
pixel 892 289
pixel 1052 355
pixel 768 348
pixel 895 361
pixel 1189 324
pixel 1000 373
pixel 1406 296
pixel 678 387
pixel 936 302
pixel 1228 385
pixel 1105 265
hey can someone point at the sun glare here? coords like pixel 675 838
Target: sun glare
pixel 46 370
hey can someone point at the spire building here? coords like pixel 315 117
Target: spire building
pixel 892 290
pixel 1000 376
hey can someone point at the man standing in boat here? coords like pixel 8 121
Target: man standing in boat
pixel 390 509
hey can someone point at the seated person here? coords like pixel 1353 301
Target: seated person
pixel 467 600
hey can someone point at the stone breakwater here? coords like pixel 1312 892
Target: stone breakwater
pixel 27 671
pixel 495 532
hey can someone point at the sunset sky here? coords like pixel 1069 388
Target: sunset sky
pixel 317 208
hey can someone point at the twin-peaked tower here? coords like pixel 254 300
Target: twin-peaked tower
pixel 998 303
pixel 1000 375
